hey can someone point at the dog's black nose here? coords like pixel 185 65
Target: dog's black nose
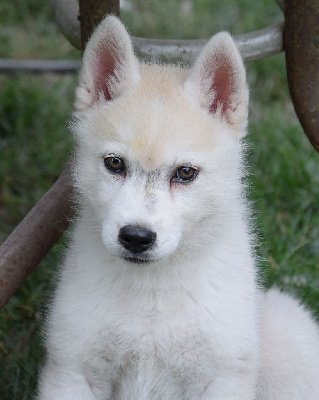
pixel 136 238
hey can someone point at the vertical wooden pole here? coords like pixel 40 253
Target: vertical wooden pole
pixel 91 14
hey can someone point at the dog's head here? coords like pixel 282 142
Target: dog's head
pixel 158 162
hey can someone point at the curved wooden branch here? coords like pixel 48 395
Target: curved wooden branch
pixel 302 58
pixel 262 43
pixel 34 236
pixel 253 46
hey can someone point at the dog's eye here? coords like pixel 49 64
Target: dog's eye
pixel 185 174
pixel 114 164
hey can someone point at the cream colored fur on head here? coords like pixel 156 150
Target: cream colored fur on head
pixel 157 297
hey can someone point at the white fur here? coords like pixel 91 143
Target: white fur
pixel 189 323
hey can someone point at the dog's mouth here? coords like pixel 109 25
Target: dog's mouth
pixel 136 260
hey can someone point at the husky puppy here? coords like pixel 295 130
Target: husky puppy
pixel 157 298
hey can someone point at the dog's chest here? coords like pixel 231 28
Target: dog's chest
pixel 146 345
pixel 141 326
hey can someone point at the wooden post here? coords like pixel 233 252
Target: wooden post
pixel 91 14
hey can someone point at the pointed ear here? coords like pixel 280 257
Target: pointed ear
pixel 109 66
pixel 217 82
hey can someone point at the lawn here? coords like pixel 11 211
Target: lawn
pixel 35 144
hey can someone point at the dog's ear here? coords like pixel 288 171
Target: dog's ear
pixel 217 82
pixel 109 66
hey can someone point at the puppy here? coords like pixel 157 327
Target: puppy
pixel 157 298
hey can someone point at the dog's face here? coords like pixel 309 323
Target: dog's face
pixel 158 160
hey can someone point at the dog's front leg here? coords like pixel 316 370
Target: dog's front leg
pixel 68 383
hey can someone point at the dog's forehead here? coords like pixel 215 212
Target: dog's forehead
pixel 156 122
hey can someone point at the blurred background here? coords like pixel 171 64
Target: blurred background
pixel 35 144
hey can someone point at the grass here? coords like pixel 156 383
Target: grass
pixel 35 144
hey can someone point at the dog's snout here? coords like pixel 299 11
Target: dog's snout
pixel 136 238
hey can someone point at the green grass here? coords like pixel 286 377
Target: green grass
pixel 35 144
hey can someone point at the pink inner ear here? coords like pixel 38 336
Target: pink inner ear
pixel 222 84
pixel 106 63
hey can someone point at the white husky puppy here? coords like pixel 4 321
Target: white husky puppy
pixel 157 298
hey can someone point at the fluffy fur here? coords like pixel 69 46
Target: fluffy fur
pixel 182 319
